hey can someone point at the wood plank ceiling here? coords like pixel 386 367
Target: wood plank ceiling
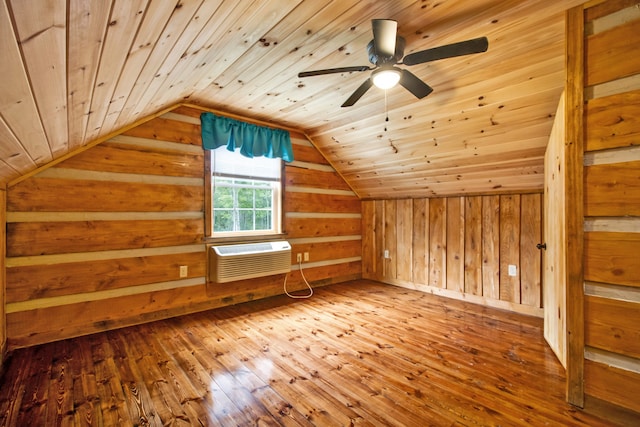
pixel 74 71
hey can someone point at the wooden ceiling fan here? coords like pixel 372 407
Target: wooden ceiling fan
pixel 386 50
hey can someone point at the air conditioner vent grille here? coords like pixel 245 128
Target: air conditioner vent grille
pixel 238 262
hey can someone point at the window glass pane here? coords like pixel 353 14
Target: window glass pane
pixel 263 198
pixel 245 198
pixel 263 219
pixel 246 220
pixel 222 220
pixel 223 197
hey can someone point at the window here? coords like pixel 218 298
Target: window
pixel 245 194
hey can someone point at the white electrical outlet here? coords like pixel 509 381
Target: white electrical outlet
pixel 298 257
pixel 513 270
pixel 306 256
pixel 184 271
pixel 386 254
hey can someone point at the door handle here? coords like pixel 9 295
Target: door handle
pixel 542 246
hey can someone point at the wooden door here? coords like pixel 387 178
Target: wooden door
pixel 554 257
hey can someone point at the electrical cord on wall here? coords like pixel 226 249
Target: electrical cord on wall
pixel 305 281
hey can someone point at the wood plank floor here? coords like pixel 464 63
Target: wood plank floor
pixel 358 353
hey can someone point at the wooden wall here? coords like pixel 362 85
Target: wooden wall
pixel 458 247
pixel 3 279
pixel 612 202
pixel 95 242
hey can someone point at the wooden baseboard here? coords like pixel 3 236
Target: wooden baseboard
pixel 475 299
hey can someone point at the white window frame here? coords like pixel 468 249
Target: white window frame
pixel 241 169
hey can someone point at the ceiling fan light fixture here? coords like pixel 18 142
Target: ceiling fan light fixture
pixel 386 78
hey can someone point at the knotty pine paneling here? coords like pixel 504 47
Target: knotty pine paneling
pixel 437 267
pixel 420 239
pixel 531 262
pixel 76 71
pixel 390 242
pixel 473 245
pixel 491 247
pixel 368 247
pixel 455 244
pixel 510 247
pixel 611 203
pixel 96 241
pixel 404 264
pixel 453 247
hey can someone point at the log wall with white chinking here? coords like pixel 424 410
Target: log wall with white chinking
pixel 459 247
pixel 612 202
pixel 95 242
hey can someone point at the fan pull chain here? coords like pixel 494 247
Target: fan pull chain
pixel 386 110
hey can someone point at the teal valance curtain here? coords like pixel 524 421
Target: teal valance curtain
pixel 253 140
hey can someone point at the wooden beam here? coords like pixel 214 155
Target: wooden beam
pixel 574 203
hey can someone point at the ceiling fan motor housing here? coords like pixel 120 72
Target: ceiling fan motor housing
pixel 378 60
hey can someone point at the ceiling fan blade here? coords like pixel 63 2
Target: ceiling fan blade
pixel 384 37
pixel 358 93
pixel 478 45
pixel 333 71
pixel 413 84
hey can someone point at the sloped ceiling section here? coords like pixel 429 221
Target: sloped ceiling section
pixel 74 71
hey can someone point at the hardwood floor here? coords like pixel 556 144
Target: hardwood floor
pixel 358 353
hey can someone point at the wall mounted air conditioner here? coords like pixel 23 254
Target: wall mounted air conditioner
pixel 246 261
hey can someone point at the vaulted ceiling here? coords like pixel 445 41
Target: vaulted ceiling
pixel 73 71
